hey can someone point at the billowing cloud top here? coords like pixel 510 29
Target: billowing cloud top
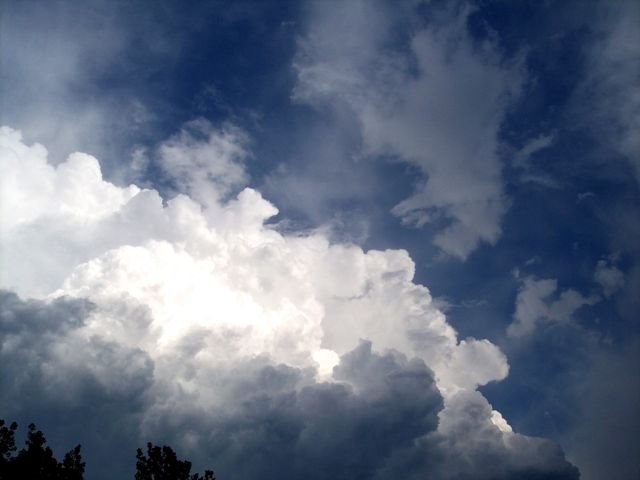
pixel 195 323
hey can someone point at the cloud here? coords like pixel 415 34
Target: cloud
pixel 534 307
pixel 326 183
pixel 205 163
pixel 610 277
pixel 603 441
pixel 77 386
pixel 435 99
pixel 464 438
pixel 532 146
pixel 200 326
pixel 53 215
pixel 58 368
pixel 610 90
pixel 523 161
pixel 54 52
pixel 344 429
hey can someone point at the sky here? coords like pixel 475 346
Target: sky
pixel 361 240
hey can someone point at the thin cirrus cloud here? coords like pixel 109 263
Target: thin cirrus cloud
pixel 437 105
pixel 201 326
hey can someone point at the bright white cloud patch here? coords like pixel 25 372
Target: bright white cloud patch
pixel 218 320
pixel 205 163
pixel 438 105
pixel 535 305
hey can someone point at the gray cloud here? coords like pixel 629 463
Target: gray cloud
pixel 204 162
pixel 436 102
pixel 465 447
pixel 608 100
pixel 609 276
pixel 603 442
pixel 77 388
pixel 381 417
pixel 52 53
pixel 208 330
pixel 536 305
pixel 103 395
pixel 292 427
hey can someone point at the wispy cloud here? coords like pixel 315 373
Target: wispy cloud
pixel 435 99
pixel 608 100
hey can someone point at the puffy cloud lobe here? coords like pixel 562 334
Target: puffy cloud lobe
pixel 338 430
pixel 437 105
pixel 205 163
pixel 465 441
pixel 75 187
pixel 213 332
pixel 345 428
pixel 32 229
pixel 379 409
pixel 609 276
pixel 534 306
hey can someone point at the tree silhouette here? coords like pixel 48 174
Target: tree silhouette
pixel 7 445
pixel 163 464
pixel 35 460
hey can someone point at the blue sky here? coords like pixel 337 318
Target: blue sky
pixel 455 183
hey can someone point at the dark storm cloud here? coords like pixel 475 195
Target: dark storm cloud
pixel 378 420
pixel 378 423
pixel 465 447
pixel 89 390
pixel 278 422
pixel 352 431
pixel 77 388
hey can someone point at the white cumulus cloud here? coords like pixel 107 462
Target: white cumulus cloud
pixel 196 323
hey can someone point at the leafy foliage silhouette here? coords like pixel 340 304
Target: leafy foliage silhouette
pixel 35 460
pixel 163 464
